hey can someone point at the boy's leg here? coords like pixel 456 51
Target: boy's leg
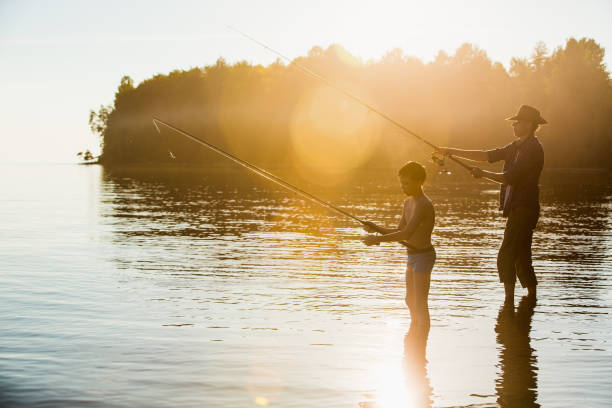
pixel 420 267
pixel 410 293
pixel 421 295
pixel 421 275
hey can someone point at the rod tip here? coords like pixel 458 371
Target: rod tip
pixel 155 124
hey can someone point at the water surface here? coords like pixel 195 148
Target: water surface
pixel 212 288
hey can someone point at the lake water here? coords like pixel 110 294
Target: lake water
pixel 212 288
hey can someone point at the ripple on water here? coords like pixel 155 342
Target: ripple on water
pixel 205 292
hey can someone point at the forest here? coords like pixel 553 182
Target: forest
pixel 276 115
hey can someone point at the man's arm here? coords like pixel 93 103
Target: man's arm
pixel 489 175
pixel 474 155
pixel 527 162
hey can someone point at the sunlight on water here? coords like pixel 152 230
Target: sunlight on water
pixel 397 389
pixel 213 288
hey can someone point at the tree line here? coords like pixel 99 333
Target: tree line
pixel 276 115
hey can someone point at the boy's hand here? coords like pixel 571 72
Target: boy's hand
pixel 477 172
pixel 370 227
pixel 370 240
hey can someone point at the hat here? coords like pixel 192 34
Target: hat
pixel 529 113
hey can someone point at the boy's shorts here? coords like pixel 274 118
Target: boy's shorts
pixel 422 263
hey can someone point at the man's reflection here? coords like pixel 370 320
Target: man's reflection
pixel 517 386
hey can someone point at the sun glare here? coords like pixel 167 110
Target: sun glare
pixel 393 392
pixel 261 401
pixel 402 385
pixel 331 136
pixel 264 384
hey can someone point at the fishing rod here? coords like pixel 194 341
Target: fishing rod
pixel 356 99
pixel 275 179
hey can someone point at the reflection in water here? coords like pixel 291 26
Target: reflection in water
pixel 415 366
pixel 407 386
pixel 250 256
pixel 213 288
pixel 517 386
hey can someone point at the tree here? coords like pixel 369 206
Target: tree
pixel 86 155
pixel 460 99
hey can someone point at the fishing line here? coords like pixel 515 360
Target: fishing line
pixel 437 160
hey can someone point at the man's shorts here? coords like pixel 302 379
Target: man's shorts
pixel 514 258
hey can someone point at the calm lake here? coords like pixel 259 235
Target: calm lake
pixel 213 288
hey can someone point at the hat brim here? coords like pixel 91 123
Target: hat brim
pixel 539 121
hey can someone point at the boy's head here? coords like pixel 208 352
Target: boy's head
pixel 412 176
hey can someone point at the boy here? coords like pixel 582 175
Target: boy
pixel 414 229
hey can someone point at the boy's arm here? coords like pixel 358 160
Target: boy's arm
pixel 371 227
pixel 402 223
pixel 406 228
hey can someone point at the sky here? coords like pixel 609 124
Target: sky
pixel 60 59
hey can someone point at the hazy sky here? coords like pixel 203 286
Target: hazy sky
pixel 59 59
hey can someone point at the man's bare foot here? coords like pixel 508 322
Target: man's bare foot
pixel 531 292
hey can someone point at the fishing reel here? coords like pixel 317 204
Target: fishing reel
pixel 439 159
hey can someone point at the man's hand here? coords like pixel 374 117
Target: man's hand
pixel 444 151
pixel 477 172
pixel 370 227
pixel 370 240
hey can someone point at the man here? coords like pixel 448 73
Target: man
pixel 519 196
pixel 414 228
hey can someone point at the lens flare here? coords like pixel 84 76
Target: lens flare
pixel 261 401
pixel 264 384
pixel 330 136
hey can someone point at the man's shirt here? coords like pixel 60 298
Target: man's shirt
pixel 523 164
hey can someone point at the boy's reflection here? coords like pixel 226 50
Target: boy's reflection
pixel 517 386
pixel 415 366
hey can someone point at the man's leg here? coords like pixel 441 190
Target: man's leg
pixel 525 272
pixel 509 290
pixel 506 258
pixel 531 291
pixel 524 266
pixel 506 268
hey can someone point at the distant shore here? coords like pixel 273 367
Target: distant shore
pixel 549 170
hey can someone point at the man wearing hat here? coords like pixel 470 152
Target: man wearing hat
pixel 519 196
